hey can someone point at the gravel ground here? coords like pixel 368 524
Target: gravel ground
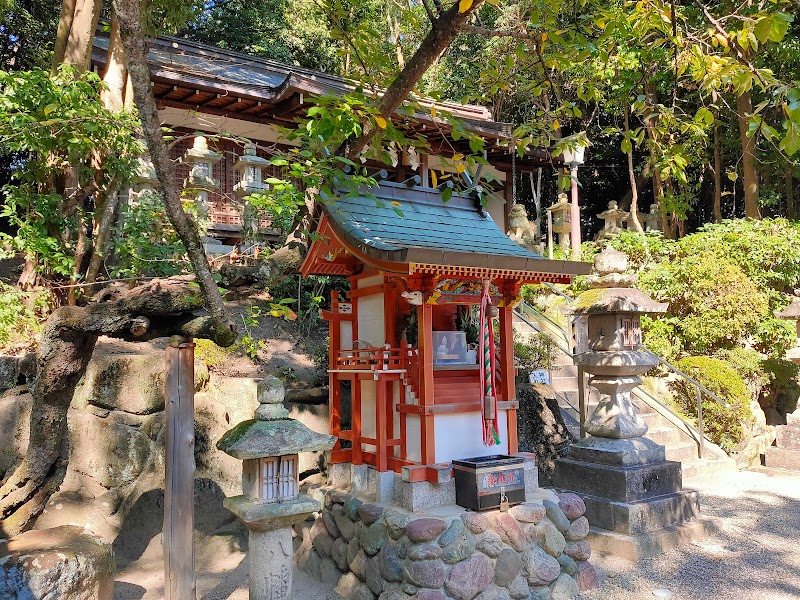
pixel 755 555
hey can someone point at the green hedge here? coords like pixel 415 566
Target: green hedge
pixel 722 425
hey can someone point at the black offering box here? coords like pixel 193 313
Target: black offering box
pixel 482 481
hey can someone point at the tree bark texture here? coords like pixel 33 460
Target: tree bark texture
pixel 77 23
pixel 130 24
pixel 159 308
pixel 116 74
pixel 744 107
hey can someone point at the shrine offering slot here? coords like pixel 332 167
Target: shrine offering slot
pixel 481 482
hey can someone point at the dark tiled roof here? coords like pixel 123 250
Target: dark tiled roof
pixel 431 231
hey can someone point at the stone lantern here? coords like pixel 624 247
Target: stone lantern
pixel 652 220
pixel 145 179
pixel 629 488
pixel 202 161
pixel 613 220
pixel 792 313
pixel 249 172
pixel 559 221
pixel 271 502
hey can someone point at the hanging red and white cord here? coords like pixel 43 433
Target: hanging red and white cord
pixel 491 434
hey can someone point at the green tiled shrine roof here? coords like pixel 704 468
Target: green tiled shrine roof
pixel 432 231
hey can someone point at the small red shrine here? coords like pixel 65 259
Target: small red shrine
pixel 415 390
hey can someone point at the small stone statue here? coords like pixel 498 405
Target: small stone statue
pixel 521 230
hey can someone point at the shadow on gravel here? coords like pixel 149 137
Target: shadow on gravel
pixel 755 555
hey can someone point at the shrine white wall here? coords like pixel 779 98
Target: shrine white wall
pixel 461 436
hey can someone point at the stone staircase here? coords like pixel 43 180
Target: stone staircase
pixel 785 454
pixel 678 445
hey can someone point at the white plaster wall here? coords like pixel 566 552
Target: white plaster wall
pixel 461 436
pixel 368 412
pixel 370 319
pixel 345 335
pixel 413 448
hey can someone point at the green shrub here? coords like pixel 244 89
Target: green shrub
pixel 21 315
pixel 535 352
pixel 722 425
pixel 715 303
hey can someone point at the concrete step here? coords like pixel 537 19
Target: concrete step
pixel 664 435
pixel 697 468
pixel 782 458
pixel 564 384
pixel 654 420
pixel 681 451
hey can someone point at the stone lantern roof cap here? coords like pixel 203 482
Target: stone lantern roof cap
pixel 272 432
pixel 791 312
pixel 260 439
pixel 615 300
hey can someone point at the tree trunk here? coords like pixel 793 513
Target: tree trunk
pixel 116 73
pixel 536 192
pixel 130 24
pixel 157 309
pixel 634 212
pixel 84 24
pixel 717 173
pixel 788 177
pixel 394 33
pixel 62 33
pixel 103 231
pixel 658 184
pixel 744 107
pixel 442 33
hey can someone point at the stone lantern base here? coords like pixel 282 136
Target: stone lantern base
pixel 786 452
pixel 634 499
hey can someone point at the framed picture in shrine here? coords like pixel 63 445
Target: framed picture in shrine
pixel 450 347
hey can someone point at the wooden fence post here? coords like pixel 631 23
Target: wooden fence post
pixel 178 534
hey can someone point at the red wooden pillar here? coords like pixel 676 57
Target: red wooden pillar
pixel 507 390
pixel 426 353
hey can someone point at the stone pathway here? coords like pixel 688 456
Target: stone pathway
pixel 755 555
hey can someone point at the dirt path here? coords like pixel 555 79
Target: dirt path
pixel 755 556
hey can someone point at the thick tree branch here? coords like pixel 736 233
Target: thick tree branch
pixel 443 32
pixel 159 308
pixel 130 22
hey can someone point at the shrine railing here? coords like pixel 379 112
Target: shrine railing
pixel 370 358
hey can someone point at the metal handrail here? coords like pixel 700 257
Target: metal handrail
pixel 646 397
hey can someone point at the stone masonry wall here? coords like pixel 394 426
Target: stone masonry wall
pixel 532 552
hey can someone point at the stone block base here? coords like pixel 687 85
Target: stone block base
pixel 643 516
pixel 645 545
pixel 624 484
pixel 782 458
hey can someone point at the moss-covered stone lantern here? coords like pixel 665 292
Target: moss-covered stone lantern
pixel 271 502
pixel 623 477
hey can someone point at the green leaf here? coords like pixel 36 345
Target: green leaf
pixel 763 29
pixel 791 141
pixel 447 194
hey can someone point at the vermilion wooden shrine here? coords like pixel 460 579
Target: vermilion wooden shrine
pixel 414 406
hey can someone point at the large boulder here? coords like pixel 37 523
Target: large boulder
pixel 65 562
pixel 15 414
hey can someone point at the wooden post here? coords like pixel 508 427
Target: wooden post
pixel 178 534
pixel 582 401
pixel 426 350
pixel 508 390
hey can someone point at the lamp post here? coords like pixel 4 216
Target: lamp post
pixel 574 158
